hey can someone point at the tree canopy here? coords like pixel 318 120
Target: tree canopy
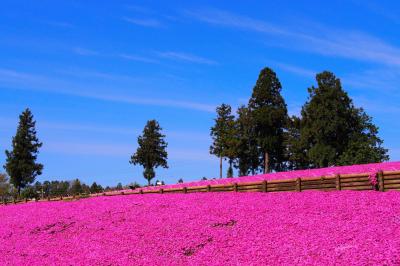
pixel 21 163
pixel 269 113
pixel 151 152
pixel 333 131
pixel 329 131
pixel 223 136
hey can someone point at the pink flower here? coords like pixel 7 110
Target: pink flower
pixel 307 228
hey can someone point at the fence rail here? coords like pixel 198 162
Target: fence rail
pixel 385 181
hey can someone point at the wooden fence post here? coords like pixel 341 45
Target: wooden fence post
pixel 122 193
pixel 264 186
pixel 298 184
pixel 208 188
pixel 185 190
pixel 141 191
pixel 162 191
pixel 235 187
pixel 337 181
pixel 380 181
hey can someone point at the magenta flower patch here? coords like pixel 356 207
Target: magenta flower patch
pixel 307 228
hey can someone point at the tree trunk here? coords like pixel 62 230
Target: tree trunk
pixel 220 167
pixel 148 181
pixel 266 163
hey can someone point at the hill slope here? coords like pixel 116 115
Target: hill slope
pixel 205 228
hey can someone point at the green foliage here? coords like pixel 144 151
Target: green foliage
pixel 269 114
pixel 95 188
pixel 180 180
pixel 151 152
pixel 135 185
pixel 333 131
pixel 56 188
pixel 76 187
pixel 364 145
pixel 85 189
pixel 296 154
pixel 30 192
pixel 119 186
pixel 223 134
pixel 4 185
pixel 21 163
pixel 247 155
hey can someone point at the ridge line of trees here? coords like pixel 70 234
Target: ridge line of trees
pixel 260 137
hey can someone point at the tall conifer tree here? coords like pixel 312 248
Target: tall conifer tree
pixel 333 131
pixel 223 136
pixel 247 156
pixel 151 152
pixel 269 112
pixel 21 163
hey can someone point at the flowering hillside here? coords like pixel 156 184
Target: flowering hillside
pixel 344 227
pixel 372 168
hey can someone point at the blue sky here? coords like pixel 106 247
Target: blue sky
pixel 93 73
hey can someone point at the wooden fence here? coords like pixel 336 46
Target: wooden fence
pixel 386 181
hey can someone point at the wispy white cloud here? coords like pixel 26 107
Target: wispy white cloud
pixel 27 81
pixel 151 101
pixel 138 58
pixel 83 73
pixel 297 70
pixel 75 148
pixel 60 24
pixel 84 51
pixel 180 56
pixel 383 80
pixel 112 129
pixel 316 38
pixel 391 10
pixel 139 9
pixel 65 126
pixel 377 106
pixel 118 150
pixel 145 22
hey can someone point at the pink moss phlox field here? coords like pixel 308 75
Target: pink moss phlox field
pixel 307 228
pixel 372 169
pixel 373 178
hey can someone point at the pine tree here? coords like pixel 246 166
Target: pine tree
pixel 151 152
pixel 95 188
pixel 76 187
pixel 296 154
pixel 21 163
pixel 222 134
pixel 364 145
pixel 333 131
pixel 268 109
pixel 247 156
